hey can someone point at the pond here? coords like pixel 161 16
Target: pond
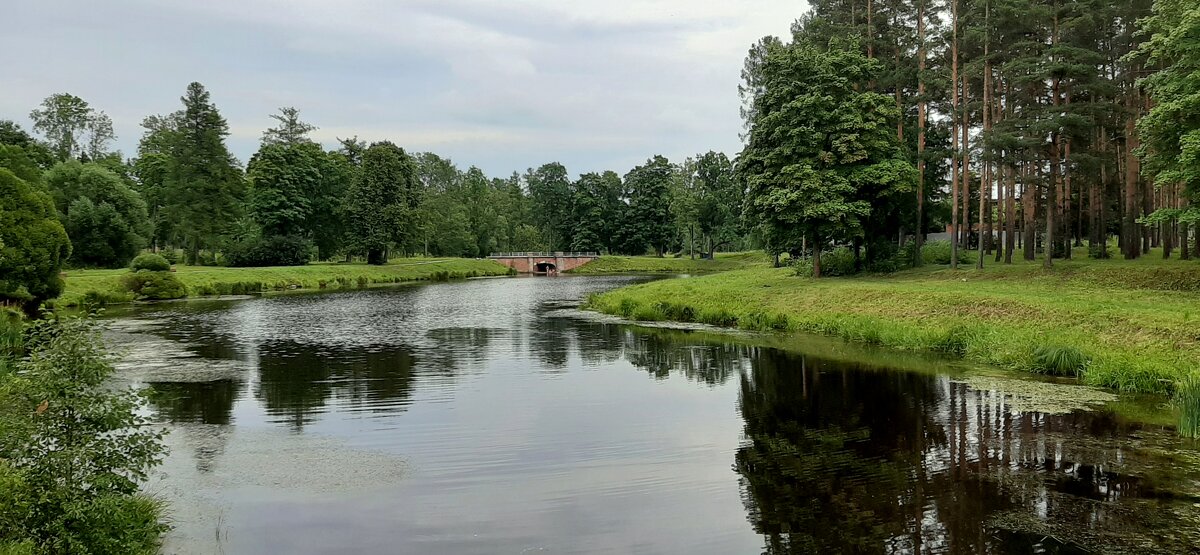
pixel 486 416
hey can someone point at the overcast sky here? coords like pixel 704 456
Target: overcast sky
pixel 502 84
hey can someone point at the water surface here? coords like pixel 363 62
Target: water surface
pixel 482 417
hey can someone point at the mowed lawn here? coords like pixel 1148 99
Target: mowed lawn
pixel 216 280
pixel 722 262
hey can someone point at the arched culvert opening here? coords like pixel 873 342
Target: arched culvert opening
pixel 546 268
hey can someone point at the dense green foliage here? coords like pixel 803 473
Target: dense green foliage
pixel 33 244
pixel 381 200
pixel 104 217
pixel 274 250
pixel 822 159
pixel 72 452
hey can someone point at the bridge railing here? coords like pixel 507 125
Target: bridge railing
pixel 544 254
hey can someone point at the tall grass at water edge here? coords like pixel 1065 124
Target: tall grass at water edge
pixel 1187 400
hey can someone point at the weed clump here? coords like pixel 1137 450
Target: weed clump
pixel 1187 398
pixel 1057 360
pixel 956 341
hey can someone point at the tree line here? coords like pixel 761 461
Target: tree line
pixel 74 201
pixel 1016 126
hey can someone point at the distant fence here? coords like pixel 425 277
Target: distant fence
pixel 544 254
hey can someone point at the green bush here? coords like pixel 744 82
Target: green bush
pixel 147 285
pixel 838 262
pixel 937 253
pixel 151 262
pixel 277 250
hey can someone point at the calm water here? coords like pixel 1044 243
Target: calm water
pixel 483 417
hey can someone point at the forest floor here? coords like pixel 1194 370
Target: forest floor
pixel 1135 323
pixel 105 285
pixel 724 261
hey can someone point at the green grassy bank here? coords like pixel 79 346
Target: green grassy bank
pixel 683 265
pixel 214 280
pixel 1131 326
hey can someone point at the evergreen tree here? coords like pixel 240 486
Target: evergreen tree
pixel 203 188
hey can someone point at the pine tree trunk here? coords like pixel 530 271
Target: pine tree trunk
pixel 921 116
pixel 1010 217
pixel 1028 206
pixel 954 156
pixel 1132 167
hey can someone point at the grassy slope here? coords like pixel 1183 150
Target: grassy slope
pixel 210 280
pixel 683 265
pixel 1136 321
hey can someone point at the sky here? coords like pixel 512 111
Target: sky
pixel 502 85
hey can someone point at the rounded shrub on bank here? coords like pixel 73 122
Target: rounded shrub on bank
pixel 150 262
pixel 153 286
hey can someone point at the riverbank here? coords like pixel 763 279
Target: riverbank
pixel 104 285
pixel 722 262
pixel 1129 326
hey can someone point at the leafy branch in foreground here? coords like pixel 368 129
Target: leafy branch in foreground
pixel 73 451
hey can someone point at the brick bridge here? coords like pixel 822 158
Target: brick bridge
pixel 544 263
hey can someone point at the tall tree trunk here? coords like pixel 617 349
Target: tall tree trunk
pixel 1010 216
pixel 965 174
pixel 1132 167
pixel 816 255
pixel 1028 206
pixel 954 157
pixel 921 115
pixel 985 184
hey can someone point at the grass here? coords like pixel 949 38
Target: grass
pixel 104 287
pixel 682 265
pixel 1126 325
pixel 1187 399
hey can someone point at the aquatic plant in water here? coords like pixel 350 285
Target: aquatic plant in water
pixel 1187 398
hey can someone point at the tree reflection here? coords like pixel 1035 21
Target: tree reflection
pixel 296 381
pixel 855 459
pixel 200 403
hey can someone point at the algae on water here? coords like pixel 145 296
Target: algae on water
pixel 1036 396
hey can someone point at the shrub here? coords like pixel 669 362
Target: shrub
pixel 933 252
pixel 150 262
pixel 147 285
pixel 838 262
pixel 276 250
pixel 1059 361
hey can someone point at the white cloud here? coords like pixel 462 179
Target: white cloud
pixel 504 85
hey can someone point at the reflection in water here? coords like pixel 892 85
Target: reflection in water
pixel 195 402
pixel 842 459
pixel 481 417
pixel 296 383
